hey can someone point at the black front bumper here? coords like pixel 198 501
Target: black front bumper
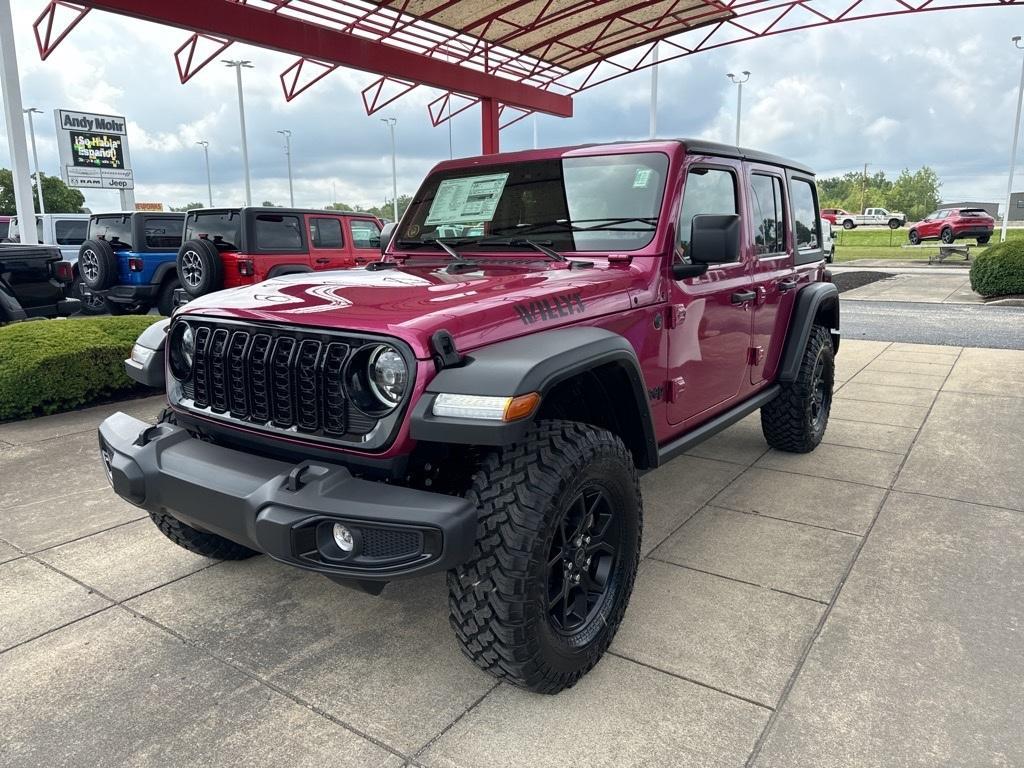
pixel 286 510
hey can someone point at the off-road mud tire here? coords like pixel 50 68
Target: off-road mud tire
pixel 792 422
pixel 499 599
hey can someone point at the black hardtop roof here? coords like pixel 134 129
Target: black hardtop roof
pixel 106 214
pixel 702 147
pixel 266 209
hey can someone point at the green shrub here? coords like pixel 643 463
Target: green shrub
pixel 55 365
pixel 999 269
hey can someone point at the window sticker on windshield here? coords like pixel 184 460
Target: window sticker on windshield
pixel 466 201
pixel 642 178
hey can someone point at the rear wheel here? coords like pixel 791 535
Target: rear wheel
pixel 895 223
pixel 200 269
pixel 795 421
pixel 91 304
pixel 558 543
pixel 983 239
pixel 848 224
pixel 165 299
pixel 97 264
pixel 947 235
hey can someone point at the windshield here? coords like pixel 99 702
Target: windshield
pixel 602 203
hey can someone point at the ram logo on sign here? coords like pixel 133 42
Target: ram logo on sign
pixel 94 150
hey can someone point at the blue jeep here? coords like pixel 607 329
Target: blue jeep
pixel 129 259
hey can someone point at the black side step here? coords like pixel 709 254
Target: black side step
pixel 682 444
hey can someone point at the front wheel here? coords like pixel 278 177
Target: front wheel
pixel 795 421
pixel 848 224
pixel 558 544
pixel 915 237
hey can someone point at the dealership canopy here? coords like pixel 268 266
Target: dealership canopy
pixel 513 58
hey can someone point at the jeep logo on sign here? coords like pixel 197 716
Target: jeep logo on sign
pixel 550 309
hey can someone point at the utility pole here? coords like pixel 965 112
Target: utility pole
pixel 35 155
pixel 394 167
pixel 10 84
pixel 739 99
pixel 288 154
pixel 209 184
pixel 654 93
pixel 238 65
pixel 864 190
pixel 1013 151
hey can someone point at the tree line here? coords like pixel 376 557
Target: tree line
pixel 915 193
pixel 57 196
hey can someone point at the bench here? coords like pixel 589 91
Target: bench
pixel 946 250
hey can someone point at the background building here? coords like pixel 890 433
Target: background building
pixel 1016 207
pixel 991 208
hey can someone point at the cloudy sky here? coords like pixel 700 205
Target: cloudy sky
pixel 935 88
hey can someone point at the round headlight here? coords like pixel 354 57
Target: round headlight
pixel 388 374
pixel 183 350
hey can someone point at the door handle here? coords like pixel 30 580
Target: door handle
pixel 786 285
pixel 323 261
pixel 742 297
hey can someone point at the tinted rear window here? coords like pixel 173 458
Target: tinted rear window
pixel 278 232
pixel 116 230
pixel 224 228
pixel 70 231
pixel 973 212
pixel 163 234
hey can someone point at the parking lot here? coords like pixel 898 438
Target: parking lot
pixel 857 606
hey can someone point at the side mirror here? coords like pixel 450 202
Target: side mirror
pixel 715 239
pixel 681 270
pixel 385 236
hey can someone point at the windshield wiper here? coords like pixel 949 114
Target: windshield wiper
pixel 457 261
pixel 539 246
pixel 567 225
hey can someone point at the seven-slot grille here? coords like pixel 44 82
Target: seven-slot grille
pixel 286 380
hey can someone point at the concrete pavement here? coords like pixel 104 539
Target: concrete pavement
pixel 856 606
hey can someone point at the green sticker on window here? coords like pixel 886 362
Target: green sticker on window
pixel 642 177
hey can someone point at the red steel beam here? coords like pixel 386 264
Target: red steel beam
pixel 243 23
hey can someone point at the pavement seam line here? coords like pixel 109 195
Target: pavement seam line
pixel 55 498
pixel 809 645
pixel 433 740
pixel 735 579
pixel 755 513
pixel 85 536
pixel 624 657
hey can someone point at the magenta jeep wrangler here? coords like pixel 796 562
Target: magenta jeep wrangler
pixel 542 327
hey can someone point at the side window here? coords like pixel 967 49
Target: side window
pixel 164 234
pixel 326 233
pixel 707 191
pixel 801 196
pixel 365 233
pixel 70 231
pixel 769 223
pixel 275 232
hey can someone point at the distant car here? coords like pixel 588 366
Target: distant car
pixel 231 247
pixel 831 214
pixel 828 241
pixel 129 260
pixel 5 226
pixel 950 224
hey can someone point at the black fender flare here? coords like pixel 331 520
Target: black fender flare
pixel 812 301
pixel 288 269
pixel 151 372
pixel 534 363
pixel 161 272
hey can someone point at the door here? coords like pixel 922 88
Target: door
pixel 327 243
pixel 709 316
pixel 775 278
pixel 365 239
pixel 931 225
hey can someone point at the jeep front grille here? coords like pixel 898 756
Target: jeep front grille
pixel 276 379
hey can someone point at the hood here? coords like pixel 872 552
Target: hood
pixel 477 307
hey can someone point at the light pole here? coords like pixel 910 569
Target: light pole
pixel 209 184
pixel 238 64
pixel 288 154
pixel 654 92
pixel 739 99
pixel 1013 152
pixel 35 156
pixel 394 167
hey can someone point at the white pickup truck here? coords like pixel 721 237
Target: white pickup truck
pixel 872 216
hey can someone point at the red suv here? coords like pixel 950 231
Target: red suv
pixel 949 224
pixel 482 405
pixel 230 247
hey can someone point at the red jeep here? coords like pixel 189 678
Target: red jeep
pixel 950 224
pixel 230 247
pixel 484 404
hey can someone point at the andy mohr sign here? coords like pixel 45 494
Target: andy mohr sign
pixel 94 150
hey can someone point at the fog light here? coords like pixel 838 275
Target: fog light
pixel 343 538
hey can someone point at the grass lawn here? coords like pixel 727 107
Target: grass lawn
pixel 863 243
